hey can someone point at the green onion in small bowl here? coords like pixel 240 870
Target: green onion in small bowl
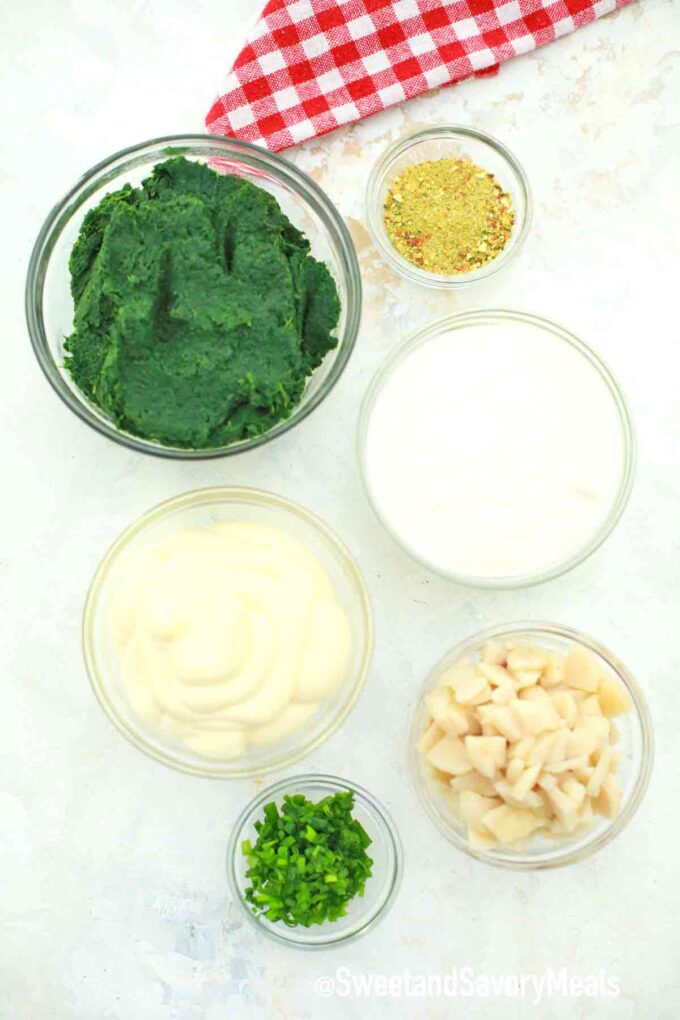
pixel 314 861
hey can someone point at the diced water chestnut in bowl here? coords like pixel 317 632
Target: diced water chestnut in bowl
pixel 522 743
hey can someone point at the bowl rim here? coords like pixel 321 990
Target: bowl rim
pixel 374 207
pixel 629 455
pixel 214 769
pixel 560 858
pixel 89 183
pixel 330 783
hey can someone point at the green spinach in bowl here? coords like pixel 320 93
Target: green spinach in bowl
pixel 199 311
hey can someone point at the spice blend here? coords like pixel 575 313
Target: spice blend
pixel 448 216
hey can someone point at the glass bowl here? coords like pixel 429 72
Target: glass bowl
pixel 636 745
pixel 195 509
pixel 448 143
pixel 364 912
pixel 49 306
pixel 553 331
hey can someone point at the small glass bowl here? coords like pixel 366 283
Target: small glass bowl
pixel 556 332
pixel 196 509
pixel 636 745
pixel 49 305
pixel 364 912
pixel 448 143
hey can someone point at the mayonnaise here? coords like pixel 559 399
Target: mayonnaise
pixel 229 636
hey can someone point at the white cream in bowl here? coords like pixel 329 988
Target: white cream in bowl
pixel 229 636
pixel 494 449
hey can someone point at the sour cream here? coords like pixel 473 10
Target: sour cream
pixel 494 449
pixel 229 636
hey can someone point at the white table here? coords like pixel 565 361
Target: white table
pixel 113 901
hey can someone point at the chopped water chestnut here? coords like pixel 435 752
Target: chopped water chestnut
pixel 536 754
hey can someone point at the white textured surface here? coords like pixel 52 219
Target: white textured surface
pixel 113 899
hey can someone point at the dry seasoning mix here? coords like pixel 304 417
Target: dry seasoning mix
pixel 448 216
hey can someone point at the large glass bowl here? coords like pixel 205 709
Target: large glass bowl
pixel 553 333
pixel 635 744
pixel 446 142
pixel 49 306
pixel 364 912
pixel 197 509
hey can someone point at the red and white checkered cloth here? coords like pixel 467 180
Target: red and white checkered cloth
pixel 311 65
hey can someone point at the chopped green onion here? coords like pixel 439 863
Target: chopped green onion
pixel 309 860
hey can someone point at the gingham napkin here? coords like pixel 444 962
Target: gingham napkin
pixel 311 65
